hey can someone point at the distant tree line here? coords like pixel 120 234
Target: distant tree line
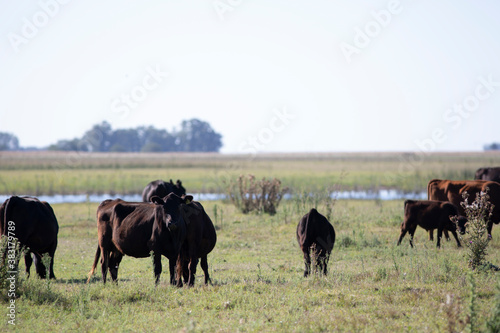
pixel 194 136
pixel 492 146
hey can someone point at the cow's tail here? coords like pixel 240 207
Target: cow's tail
pixel 96 260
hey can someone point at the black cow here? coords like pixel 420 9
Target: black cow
pixel 430 214
pixel 161 189
pixel 492 174
pixel 315 231
pixel 200 241
pixel 34 224
pixel 135 229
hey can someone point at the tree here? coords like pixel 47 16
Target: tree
pixel 197 135
pixel 492 146
pixel 153 139
pixel 8 141
pixel 98 138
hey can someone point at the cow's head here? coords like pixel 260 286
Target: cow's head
pixel 169 210
pixel 461 222
pixel 481 173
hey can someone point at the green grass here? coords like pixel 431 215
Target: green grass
pixel 256 269
pixel 37 173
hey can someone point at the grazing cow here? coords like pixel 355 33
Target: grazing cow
pixel 34 224
pixel 430 214
pixel 314 231
pixel 200 241
pixel 135 229
pixel 492 174
pixel 452 190
pixel 161 189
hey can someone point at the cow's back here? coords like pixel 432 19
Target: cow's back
pixel 315 228
pixel 35 223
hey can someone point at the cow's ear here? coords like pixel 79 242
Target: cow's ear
pixel 157 200
pixel 188 199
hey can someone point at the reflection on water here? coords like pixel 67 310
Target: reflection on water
pixel 385 194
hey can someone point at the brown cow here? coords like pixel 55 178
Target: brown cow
pixel 315 231
pixel 34 224
pixel 452 190
pixel 135 229
pixel 492 174
pixel 430 214
pixel 161 189
pixel 200 241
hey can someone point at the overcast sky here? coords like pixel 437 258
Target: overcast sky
pixel 280 75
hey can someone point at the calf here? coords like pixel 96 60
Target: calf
pixel 430 214
pixel 314 231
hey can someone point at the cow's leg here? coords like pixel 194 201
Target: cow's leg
pixel 181 270
pixel 323 261
pixel 114 262
pixel 307 261
pixel 431 234
pixel 171 270
pixel 489 227
pixel 192 270
pixel 454 233
pixel 28 261
pixel 41 270
pixel 412 232
pixel 104 263
pixel 204 266
pixel 439 236
pixel 401 235
pixel 446 234
pixel 185 270
pixel 157 266
pixel 52 252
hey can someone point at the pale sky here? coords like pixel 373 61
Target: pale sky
pixel 270 76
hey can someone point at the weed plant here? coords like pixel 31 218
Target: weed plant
pixel 476 238
pixel 250 195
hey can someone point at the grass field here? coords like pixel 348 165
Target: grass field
pixel 256 266
pixel 38 173
pixel 256 269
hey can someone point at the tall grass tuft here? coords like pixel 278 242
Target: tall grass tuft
pixel 472 322
pixel 249 195
pixel 476 238
pixel 493 324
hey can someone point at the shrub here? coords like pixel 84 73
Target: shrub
pixel 476 238
pixel 248 194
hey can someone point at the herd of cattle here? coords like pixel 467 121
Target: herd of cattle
pixel 168 222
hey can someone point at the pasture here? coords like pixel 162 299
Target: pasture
pixel 257 266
